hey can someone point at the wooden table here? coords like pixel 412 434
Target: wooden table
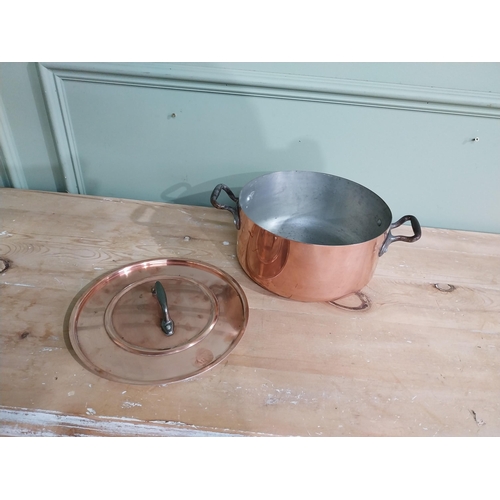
pixel 422 360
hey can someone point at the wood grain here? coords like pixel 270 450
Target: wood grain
pixel 420 361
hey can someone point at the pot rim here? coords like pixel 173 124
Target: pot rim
pixel 244 193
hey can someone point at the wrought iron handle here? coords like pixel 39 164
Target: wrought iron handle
pixel 364 302
pixel 216 204
pixel 390 238
pixel 167 325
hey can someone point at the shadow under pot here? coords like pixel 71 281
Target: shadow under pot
pixel 311 236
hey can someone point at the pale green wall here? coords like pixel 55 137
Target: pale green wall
pixel 121 139
pixel 22 96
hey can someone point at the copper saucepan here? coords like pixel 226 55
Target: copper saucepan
pixel 311 236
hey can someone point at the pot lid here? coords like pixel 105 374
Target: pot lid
pixel 158 321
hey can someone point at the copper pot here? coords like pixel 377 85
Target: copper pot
pixel 311 236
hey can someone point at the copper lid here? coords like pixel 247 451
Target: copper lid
pixel 118 327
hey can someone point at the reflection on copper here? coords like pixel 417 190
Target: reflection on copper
pixel 303 271
pixel 267 253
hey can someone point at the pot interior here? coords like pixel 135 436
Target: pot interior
pixel 315 208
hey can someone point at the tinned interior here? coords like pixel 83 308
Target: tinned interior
pixel 315 208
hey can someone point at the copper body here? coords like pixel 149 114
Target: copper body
pixel 311 236
pixel 302 271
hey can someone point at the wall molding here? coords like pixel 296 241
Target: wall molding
pixel 177 76
pixel 11 157
pixel 274 85
pixel 62 129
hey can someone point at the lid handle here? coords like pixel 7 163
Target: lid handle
pixel 167 325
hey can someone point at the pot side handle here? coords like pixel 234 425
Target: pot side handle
pixel 216 204
pixel 390 238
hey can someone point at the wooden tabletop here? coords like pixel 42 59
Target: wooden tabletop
pixel 422 360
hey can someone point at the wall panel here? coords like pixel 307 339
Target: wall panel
pixel 171 132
